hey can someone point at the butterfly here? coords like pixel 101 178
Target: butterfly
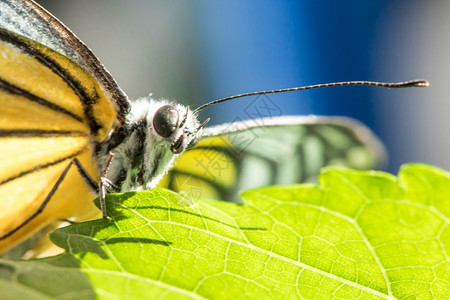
pixel 68 133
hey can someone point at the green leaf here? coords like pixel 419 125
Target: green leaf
pixel 359 235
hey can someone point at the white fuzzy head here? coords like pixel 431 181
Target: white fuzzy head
pixel 167 121
pixel 157 131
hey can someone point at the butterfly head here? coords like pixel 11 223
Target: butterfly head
pixel 178 125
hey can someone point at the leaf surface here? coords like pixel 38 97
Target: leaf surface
pixel 359 234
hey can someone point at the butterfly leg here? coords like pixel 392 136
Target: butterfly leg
pixel 84 174
pixel 104 185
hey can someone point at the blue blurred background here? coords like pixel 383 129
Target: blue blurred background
pixel 196 51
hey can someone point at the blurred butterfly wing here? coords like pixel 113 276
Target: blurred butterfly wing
pixel 30 20
pixel 51 112
pixel 284 150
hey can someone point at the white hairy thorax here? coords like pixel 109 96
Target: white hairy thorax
pixel 142 156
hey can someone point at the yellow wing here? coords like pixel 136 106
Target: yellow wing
pixel 208 170
pixel 51 112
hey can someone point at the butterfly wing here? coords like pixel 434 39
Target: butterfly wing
pixel 284 150
pixel 29 19
pixel 51 112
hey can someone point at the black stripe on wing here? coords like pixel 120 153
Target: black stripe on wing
pixel 27 133
pixel 86 100
pixel 42 166
pixel 224 191
pixel 12 89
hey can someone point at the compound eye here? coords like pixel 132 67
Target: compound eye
pixel 165 120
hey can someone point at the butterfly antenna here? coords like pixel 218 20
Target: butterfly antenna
pixel 404 84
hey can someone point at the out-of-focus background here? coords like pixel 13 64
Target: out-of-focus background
pixel 195 51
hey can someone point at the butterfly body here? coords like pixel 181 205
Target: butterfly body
pixel 141 155
pixel 68 132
